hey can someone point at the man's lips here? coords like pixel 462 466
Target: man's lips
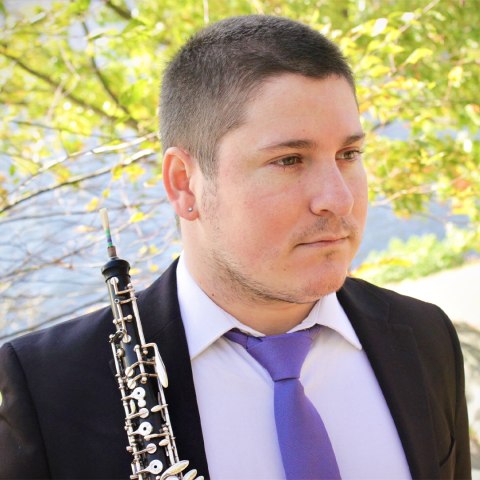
pixel 325 242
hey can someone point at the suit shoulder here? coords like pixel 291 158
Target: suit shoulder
pixel 420 315
pixel 66 337
pixel 434 332
pixel 398 300
pixel 66 361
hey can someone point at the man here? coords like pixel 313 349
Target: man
pixel 263 165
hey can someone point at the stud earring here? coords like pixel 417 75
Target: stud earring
pixel 190 209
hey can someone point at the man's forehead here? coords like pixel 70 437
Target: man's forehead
pixel 297 97
pixel 294 111
pixel 289 84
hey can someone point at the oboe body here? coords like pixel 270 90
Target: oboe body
pixel 141 377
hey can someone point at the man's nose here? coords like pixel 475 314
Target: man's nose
pixel 330 192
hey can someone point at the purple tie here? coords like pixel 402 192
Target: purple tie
pixel 307 453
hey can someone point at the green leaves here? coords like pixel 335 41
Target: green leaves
pixel 134 24
pixel 417 257
pixel 133 93
pixel 473 112
pixel 79 6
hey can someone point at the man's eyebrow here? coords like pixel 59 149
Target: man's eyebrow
pixel 309 144
pixel 290 144
pixel 353 138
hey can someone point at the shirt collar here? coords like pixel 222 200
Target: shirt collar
pixel 205 322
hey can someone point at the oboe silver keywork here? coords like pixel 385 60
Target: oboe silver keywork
pixel 141 377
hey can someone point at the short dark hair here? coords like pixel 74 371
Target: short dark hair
pixel 209 82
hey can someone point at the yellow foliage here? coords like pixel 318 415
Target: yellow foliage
pixel 379 70
pixel 418 54
pixel 456 73
pixel 92 205
pixel 137 217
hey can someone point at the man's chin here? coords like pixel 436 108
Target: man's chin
pixel 325 285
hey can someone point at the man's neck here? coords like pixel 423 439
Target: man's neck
pixel 267 317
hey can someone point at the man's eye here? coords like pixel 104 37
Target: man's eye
pixel 287 161
pixel 350 154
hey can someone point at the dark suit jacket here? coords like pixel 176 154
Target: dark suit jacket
pixel 62 416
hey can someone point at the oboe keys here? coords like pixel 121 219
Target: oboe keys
pixel 151 449
pixel 139 395
pixel 144 429
pixel 174 469
pixel 130 371
pixel 143 413
pixel 155 467
pixel 190 475
pixel 158 408
pixel 159 365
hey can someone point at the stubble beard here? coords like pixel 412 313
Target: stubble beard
pixel 234 283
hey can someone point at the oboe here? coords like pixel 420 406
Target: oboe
pixel 141 379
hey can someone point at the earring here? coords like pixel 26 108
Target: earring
pixel 190 209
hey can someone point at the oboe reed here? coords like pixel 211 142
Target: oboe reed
pixel 112 252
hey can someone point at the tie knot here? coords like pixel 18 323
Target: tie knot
pixel 281 355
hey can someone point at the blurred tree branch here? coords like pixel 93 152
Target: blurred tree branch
pixel 58 86
pixel 100 76
pixel 125 14
pixel 75 180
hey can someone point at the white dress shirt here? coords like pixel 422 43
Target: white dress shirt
pixel 235 394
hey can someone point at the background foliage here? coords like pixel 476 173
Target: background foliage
pixel 79 82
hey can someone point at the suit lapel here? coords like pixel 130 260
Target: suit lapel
pixel 393 355
pixel 162 324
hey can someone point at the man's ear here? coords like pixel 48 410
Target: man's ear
pixel 178 170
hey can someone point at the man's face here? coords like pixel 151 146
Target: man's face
pixel 289 179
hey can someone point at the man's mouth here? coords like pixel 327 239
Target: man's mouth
pixel 326 242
